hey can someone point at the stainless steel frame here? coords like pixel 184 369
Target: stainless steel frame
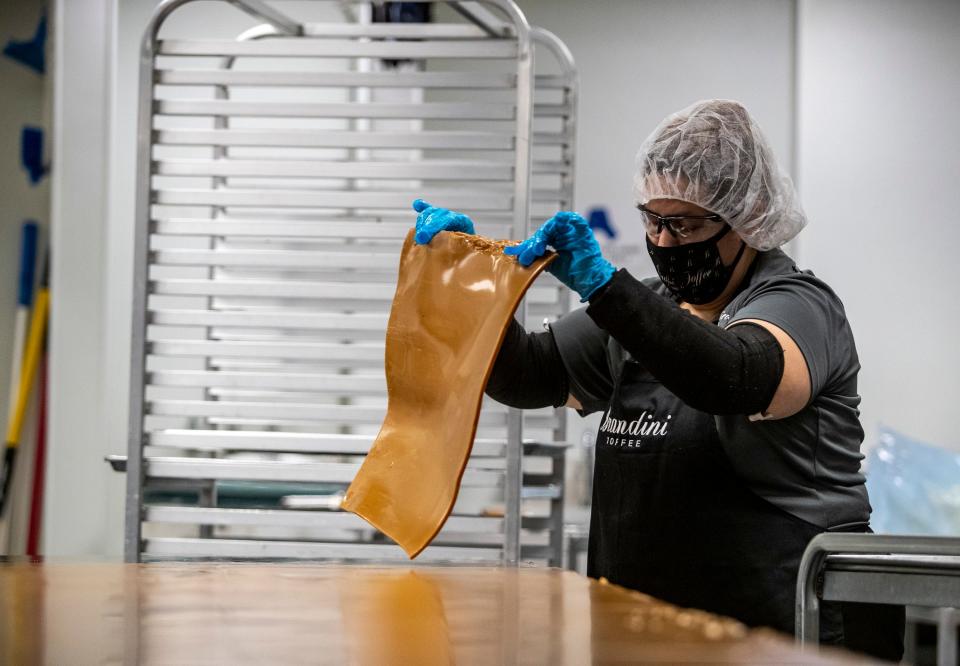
pixel 263 269
pixel 874 568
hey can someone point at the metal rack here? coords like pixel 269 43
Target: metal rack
pixel 275 178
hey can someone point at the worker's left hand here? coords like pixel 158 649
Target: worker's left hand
pixel 579 264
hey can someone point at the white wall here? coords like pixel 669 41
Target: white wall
pixel 81 509
pixel 879 150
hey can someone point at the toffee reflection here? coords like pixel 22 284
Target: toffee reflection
pixel 395 618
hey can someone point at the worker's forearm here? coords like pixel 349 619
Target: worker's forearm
pixel 528 372
pixel 718 371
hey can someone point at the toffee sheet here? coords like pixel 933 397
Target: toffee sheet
pixel 454 300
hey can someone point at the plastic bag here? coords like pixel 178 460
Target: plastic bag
pixel 914 487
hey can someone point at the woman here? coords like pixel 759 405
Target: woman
pixel 730 434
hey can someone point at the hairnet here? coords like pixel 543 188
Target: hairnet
pixel 714 155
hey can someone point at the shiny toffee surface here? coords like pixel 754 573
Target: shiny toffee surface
pixel 454 300
pixel 312 614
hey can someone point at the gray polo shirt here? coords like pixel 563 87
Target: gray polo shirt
pixel 807 464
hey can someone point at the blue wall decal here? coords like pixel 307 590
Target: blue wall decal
pixel 31 153
pixel 599 220
pixel 31 53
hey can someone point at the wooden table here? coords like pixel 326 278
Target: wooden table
pixel 201 613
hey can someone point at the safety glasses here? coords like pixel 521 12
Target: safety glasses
pixel 685 227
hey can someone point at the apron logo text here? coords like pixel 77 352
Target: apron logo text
pixel 643 426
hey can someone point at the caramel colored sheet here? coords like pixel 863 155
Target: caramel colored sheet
pixel 453 302
pixel 240 614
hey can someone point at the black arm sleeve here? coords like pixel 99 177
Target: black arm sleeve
pixel 715 370
pixel 528 372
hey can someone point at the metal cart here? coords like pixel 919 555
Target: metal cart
pixel 276 172
pixel 879 569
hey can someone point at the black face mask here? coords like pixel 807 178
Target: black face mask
pixel 694 272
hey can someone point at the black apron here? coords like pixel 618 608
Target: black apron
pixel 671 517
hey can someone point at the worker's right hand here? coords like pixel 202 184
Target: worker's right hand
pixel 579 264
pixel 432 219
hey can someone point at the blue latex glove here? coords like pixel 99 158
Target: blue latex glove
pixel 579 264
pixel 433 220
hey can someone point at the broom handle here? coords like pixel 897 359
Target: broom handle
pixel 28 258
pixel 31 359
